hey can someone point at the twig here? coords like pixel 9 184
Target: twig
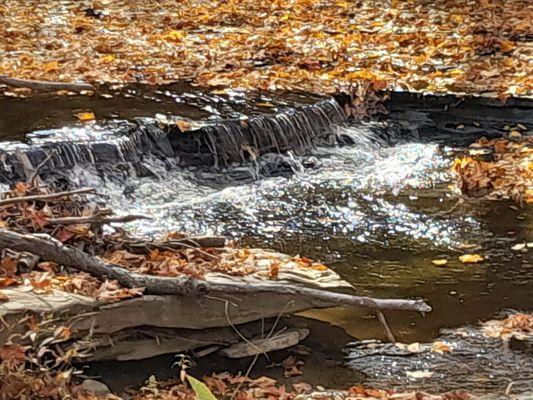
pixel 244 338
pixel 45 86
pixel 388 331
pixel 45 197
pixel 94 219
pixel 39 167
pixel 256 357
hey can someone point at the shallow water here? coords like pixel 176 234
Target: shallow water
pixel 376 212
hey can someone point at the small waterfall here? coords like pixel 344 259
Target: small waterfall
pixel 126 148
pixel 236 141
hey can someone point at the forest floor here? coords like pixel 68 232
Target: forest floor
pixel 444 46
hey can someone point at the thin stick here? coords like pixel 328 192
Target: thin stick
pixel 39 167
pixel 388 331
pixel 256 357
pixel 45 197
pixel 45 86
pixel 95 219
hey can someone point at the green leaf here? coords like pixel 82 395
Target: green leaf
pixel 202 392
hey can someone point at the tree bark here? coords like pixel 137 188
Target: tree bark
pixel 186 285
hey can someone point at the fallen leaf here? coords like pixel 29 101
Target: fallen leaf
pixel 85 116
pixel 12 355
pixel 184 125
pixel 439 262
pixel 471 258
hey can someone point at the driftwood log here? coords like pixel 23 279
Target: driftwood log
pixel 186 285
pixel 45 86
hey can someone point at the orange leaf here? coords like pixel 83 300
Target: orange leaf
pixel 12 355
pixel 85 116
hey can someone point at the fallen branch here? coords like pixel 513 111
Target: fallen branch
pixel 142 247
pixel 187 285
pixel 95 219
pixel 31 179
pixel 45 86
pixel 45 197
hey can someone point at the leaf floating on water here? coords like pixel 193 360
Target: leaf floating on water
pixel 85 116
pixel 471 258
pixel 439 262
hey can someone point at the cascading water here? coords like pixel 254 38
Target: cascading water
pixel 127 146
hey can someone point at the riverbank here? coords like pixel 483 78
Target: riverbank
pixel 316 47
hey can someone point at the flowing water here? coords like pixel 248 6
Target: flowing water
pixel 377 210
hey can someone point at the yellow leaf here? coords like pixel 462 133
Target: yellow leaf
pixel 471 258
pixel 51 66
pixel 85 116
pixel 439 262
pixel 183 125
pixel 174 36
pixel 107 59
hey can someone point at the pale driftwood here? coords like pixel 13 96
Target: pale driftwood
pixel 176 244
pixel 186 285
pixel 284 340
pixel 95 219
pixel 45 197
pixel 45 86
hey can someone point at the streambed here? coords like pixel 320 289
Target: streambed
pixel 377 210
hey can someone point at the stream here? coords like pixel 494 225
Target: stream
pixel 376 210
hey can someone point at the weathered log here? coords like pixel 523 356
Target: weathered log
pixel 187 285
pixel 45 197
pixel 45 86
pixel 95 219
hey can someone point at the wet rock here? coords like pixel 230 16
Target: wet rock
pixel 465 355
